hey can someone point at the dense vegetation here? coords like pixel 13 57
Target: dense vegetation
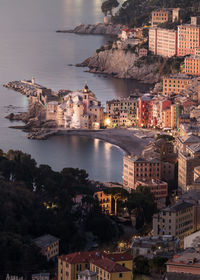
pixel 138 12
pixel 36 201
pixel 165 65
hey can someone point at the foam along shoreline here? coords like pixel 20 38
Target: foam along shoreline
pixel 125 139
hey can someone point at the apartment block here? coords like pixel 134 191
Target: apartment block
pixel 176 84
pixel 187 161
pixel 177 220
pixel 106 266
pixel 192 65
pixel 137 169
pixel 163 42
pixel 122 112
pixel 189 37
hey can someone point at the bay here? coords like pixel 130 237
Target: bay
pixel 30 47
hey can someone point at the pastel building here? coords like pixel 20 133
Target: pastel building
pixel 162 41
pixel 122 112
pixel 192 65
pixel 189 37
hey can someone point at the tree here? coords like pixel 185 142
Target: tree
pixel 157 264
pixel 141 265
pixel 108 6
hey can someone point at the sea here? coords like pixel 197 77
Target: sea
pixel 30 47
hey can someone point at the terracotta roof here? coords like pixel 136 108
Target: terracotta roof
pixel 86 257
pixel 79 257
pixel 109 265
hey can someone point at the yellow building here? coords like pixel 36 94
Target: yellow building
pixel 108 270
pixel 118 265
pixel 105 201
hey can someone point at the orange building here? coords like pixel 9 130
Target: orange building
pixel 192 65
pixel 188 37
pixel 105 201
pixel 176 84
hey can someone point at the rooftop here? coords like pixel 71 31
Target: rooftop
pixel 182 276
pixel 109 265
pixel 188 257
pixel 78 257
pixel 179 206
pixel 45 240
pixel 189 139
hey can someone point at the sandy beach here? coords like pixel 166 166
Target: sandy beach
pixel 127 139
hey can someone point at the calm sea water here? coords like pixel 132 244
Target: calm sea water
pixel 30 47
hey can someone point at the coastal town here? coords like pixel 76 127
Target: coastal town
pixel 148 225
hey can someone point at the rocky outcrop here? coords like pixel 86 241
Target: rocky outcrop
pixel 121 64
pixel 98 29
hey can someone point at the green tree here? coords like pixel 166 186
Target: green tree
pixel 108 6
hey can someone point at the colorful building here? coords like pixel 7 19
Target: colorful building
pixel 122 112
pixel 162 41
pixel 189 37
pixel 192 65
pixel 145 111
pixel 105 201
pixel 107 266
pixel 176 84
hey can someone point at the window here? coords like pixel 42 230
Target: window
pixel 120 275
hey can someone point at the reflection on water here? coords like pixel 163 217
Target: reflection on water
pixel 30 47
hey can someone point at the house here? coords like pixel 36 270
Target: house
pixel 49 245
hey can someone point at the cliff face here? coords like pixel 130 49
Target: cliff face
pixel 121 64
pixel 98 29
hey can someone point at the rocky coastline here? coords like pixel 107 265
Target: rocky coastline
pixel 37 127
pixel 95 29
pixel 121 64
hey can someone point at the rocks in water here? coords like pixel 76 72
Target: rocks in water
pixel 98 29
